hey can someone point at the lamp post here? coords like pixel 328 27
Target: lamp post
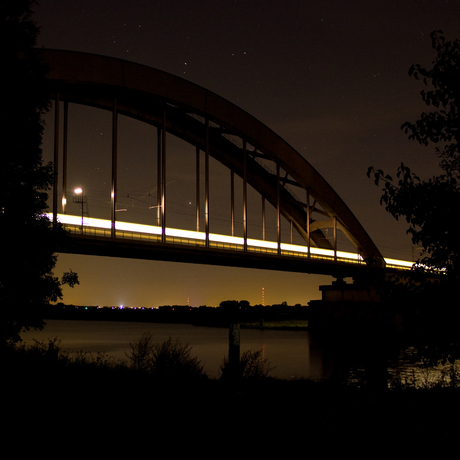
pixel 80 199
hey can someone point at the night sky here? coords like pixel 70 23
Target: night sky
pixel 330 77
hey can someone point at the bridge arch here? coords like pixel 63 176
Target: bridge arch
pixel 218 128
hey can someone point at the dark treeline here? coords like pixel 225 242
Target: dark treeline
pixel 242 311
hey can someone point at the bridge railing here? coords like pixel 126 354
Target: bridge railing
pixel 266 248
pixel 150 234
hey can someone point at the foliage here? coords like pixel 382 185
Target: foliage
pixel 167 360
pixel 430 207
pixel 45 362
pixel 49 350
pixel 26 278
pixel 440 125
pixel 251 366
pixel 141 351
pixel 233 309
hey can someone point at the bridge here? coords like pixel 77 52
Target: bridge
pixel 214 128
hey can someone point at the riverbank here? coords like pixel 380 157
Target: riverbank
pixel 112 408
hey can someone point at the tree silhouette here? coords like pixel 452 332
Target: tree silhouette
pixel 30 241
pixel 430 207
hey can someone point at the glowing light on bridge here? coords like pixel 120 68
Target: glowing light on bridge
pixel 189 235
pixel 399 263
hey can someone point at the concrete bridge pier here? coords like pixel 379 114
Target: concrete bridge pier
pixel 345 305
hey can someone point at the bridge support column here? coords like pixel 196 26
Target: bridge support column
pixel 197 189
pixel 245 198
pixel 159 169
pixel 335 238
pixel 308 223
pixel 232 200
pixel 206 181
pixel 64 157
pixel 278 207
pixel 346 306
pixel 114 164
pixel 56 157
pixel 163 178
pixel 263 218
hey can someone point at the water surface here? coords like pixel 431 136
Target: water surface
pixel 291 353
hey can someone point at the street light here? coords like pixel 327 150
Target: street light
pixel 80 199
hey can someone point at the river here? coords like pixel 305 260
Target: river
pixel 291 354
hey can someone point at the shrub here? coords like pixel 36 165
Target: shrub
pixel 168 360
pixel 141 352
pixel 44 352
pixel 251 366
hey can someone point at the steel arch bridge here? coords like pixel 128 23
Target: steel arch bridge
pixel 223 131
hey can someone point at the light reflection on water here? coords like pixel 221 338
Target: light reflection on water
pixel 413 374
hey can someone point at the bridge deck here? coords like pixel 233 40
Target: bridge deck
pixel 146 242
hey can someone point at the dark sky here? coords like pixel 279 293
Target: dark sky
pixel 330 77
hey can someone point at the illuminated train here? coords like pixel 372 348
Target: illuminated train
pixel 102 228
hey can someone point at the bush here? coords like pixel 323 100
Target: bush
pixel 47 357
pixel 251 366
pixel 41 354
pixel 168 360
